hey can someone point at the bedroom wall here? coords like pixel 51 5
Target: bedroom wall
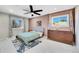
pixel 23 28
pixel 4 25
pixel 77 26
pixel 65 12
pixel 19 29
pixel 43 19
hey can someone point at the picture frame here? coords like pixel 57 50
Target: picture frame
pixel 60 21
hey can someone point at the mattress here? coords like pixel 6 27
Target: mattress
pixel 28 36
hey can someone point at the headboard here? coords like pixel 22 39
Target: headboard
pixel 38 29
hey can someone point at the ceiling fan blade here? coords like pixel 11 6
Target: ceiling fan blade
pixel 37 10
pixel 31 8
pixel 36 13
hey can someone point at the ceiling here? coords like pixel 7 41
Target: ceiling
pixel 47 9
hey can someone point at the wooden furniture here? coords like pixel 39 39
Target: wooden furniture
pixel 61 36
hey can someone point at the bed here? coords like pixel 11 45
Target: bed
pixel 28 37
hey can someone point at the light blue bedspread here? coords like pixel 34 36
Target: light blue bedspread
pixel 28 36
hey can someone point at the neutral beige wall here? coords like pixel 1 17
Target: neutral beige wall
pixel 4 25
pixel 43 19
pixel 77 26
pixel 66 12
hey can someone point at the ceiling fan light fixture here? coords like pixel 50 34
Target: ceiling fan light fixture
pixel 32 15
pixel 33 11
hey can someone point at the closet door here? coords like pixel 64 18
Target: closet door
pixel 4 26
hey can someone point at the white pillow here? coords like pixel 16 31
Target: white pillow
pixel 40 33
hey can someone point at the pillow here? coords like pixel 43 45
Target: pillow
pixel 38 29
pixel 40 33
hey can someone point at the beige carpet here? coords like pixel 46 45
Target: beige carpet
pixel 6 46
pixel 48 46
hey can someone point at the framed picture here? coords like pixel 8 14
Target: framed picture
pixel 59 21
pixel 39 23
pixel 16 23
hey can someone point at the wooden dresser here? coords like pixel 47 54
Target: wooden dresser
pixel 61 36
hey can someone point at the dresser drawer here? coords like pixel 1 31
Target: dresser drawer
pixel 61 36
